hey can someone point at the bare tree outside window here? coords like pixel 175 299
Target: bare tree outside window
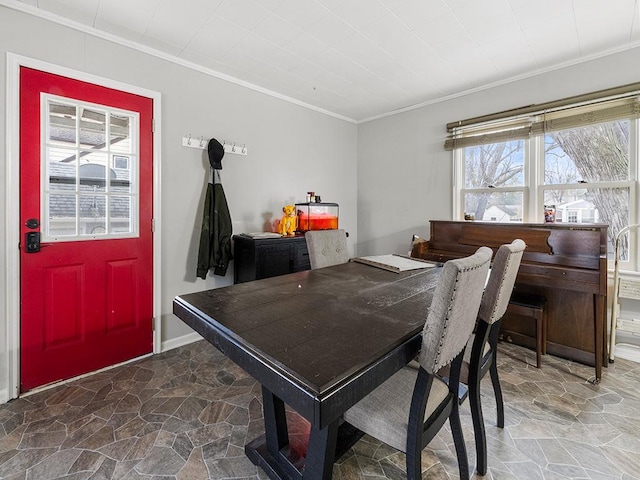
pixel 591 155
pixel 586 176
pixel 491 166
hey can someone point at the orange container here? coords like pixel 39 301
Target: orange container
pixel 317 216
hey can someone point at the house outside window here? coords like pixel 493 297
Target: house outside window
pixel 582 159
pixel 572 216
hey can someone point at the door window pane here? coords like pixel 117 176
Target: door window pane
pixel 61 169
pixel 120 133
pixel 93 128
pixel 88 182
pixel 62 124
pixel 60 215
pixel 120 220
pixel 93 173
pixel 93 209
pixel 121 178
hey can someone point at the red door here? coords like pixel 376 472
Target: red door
pixel 86 250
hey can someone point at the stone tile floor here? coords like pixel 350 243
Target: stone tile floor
pixel 187 413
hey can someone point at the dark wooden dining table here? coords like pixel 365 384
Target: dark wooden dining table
pixel 318 341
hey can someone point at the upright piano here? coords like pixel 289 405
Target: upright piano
pixel 566 263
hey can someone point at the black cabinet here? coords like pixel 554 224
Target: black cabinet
pixel 256 258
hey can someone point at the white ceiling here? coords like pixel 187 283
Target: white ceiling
pixel 364 58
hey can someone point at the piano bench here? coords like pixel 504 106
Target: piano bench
pixel 533 307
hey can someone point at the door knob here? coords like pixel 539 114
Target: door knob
pixel 32 223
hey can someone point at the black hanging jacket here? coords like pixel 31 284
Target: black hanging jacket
pixel 215 236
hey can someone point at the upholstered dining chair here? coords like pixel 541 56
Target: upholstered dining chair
pixel 408 410
pixel 481 352
pixel 327 247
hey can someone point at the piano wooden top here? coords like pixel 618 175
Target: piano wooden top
pixel 572 256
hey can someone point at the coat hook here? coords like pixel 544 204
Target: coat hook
pixel 244 150
pixel 201 142
pixel 189 140
pixel 233 149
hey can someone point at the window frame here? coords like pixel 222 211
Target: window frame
pixel 534 187
pixel 46 100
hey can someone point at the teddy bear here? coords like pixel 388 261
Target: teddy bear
pixel 289 221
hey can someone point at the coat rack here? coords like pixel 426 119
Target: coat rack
pixel 201 143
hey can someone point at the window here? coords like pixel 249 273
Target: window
pixel 494 181
pixel 581 160
pixel 90 171
pixel 121 162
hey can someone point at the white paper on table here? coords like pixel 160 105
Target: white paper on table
pixel 395 263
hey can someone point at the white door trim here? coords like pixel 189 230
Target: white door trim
pixel 12 208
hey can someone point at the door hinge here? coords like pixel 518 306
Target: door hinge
pixel 153 125
pixel 153 323
pixel 153 225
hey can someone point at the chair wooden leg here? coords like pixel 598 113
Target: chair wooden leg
pixel 458 441
pixel 494 335
pixel 493 371
pixel 497 392
pixel 478 427
pixel 414 464
pixel 415 428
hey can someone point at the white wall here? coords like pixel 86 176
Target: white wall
pixel 404 173
pixel 291 149
pixel 390 176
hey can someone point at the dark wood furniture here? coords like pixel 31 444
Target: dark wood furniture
pixel 533 307
pixel 565 263
pixel 256 258
pixel 318 341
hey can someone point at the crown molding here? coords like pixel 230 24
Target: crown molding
pixel 505 81
pixel 52 17
pixel 38 12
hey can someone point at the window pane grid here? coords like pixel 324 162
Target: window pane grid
pixel 588 173
pixel 573 186
pixel 496 189
pixel 85 177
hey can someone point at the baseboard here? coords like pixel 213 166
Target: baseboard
pixel 180 341
pixel 4 396
pixel 628 352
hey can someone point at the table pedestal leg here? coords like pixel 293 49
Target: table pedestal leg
pixel 321 452
pixel 273 454
pixel 275 422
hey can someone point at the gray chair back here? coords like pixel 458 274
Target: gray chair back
pixel 484 343
pixel 501 281
pixel 454 309
pixel 327 247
